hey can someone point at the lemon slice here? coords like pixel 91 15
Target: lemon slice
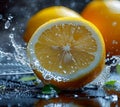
pixel 67 52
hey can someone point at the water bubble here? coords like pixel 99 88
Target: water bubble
pixel 47 76
pixel 114 23
pixel 9 58
pixel 114 98
pixel 11 35
pixel 73 4
pixel 114 42
pixel 47 56
pixel 10 17
pixel 64 71
pixel 49 62
pixel 19 105
pixel 60 66
pixel 72 30
pixel 13 29
pixel 7 24
pixel 75 95
pixel 36 63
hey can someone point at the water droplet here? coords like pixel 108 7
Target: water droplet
pixel 114 42
pixel 9 58
pixel 7 24
pixel 19 105
pixel 73 4
pixel 55 47
pixel 117 50
pixel 49 62
pixel 57 34
pixel 75 95
pixel 75 67
pixel 114 98
pixel 64 71
pixel 10 17
pixel 11 35
pixel 1 16
pixel 114 23
pixel 47 56
pixel 72 30
pixel 60 67
pixel 78 27
pixel 72 67
pixel 13 29
pixel 36 63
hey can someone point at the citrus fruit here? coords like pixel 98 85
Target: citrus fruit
pixel 105 15
pixel 67 52
pixel 45 15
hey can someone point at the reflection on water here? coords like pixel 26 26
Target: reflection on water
pixel 29 94
pixel 13 61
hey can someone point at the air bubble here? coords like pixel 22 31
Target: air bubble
pixel 49 62
pixel 9 58
pixel 75 95
pixel 57 34
pixel 75 67
pixel 13 29
pixel 60 67
pixel 64 71
pixel 114 23
pixel 47 56
pixel 114 42
pixel 10 17
pixel 72 67
pixel 78 27
pixel 11 36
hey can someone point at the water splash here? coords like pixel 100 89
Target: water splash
pixel 14 63
pixel 19 54
pixel 7 23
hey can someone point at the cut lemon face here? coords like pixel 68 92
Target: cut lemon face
pixel 67 52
